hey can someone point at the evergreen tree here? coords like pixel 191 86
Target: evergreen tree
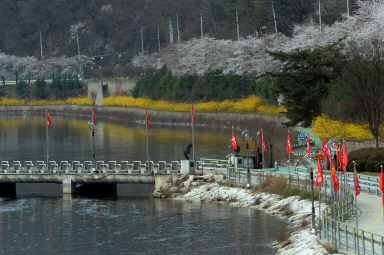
pixel 305 78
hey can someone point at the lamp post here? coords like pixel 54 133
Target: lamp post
pixel 92 127
pixel 308 160
pixel 246 137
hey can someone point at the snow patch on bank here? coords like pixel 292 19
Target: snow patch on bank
pixel 292 208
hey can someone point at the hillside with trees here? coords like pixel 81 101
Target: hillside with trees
pixel 112 32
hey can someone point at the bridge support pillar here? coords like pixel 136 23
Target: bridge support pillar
pixel 68 186
pixel 8 190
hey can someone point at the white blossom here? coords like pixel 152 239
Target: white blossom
pixel 249 54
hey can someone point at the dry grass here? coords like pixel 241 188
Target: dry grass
pixel 304 224
pixel 257 201
pixel 286 210
pixel 268 204
pixel 283 237
pixel 331 248
pixel 279 185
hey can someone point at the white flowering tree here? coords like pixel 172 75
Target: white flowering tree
pixel 249 54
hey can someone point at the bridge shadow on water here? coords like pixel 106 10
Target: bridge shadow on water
pixel 96 191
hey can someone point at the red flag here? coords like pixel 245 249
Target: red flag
pixel 333 175
pixel 48 119
pixel 262 140
pixel 338 151
pixel 319 174
pixel 309 147
pixel 193 115
pixel 289 145
pixel 340 157
pixel 93 116
pixel 146 112
pixel 324 149
pixel 381 185
pixel 234 142
pixel 345 157
pixel 356 181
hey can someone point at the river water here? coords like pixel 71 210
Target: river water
pixel 41 221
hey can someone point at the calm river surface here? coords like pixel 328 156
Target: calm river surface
pixel 41 221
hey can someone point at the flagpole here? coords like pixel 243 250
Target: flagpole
pixel 320 208
pixel 262 149
pixel 193 136
pixel 289 162
pixel 382 193
pixel 47 136
pixel 146 134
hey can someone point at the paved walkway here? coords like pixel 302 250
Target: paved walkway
pixel 371 214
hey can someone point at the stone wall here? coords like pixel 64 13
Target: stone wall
pixel 98 88
pixel 353 145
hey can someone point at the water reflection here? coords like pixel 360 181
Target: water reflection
pixel 24 139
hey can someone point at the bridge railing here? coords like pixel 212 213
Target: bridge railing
pixel 80 167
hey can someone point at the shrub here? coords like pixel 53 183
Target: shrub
pixel 39 89
pixel 324 125
pixel 367 153
pixel 371 166
pixel 360 165
pixel 250 104
pixel 22 89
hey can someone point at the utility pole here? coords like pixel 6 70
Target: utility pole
pixel 158 37
pixel 237 25
pixel 348 8
pixel 178 30
pixel 320 15
pixel 201 24
pixel 274 18
pixel 142 41
pixel 41 47
pixel 78 53
pixel 170 31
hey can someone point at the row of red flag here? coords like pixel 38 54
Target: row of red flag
pixel 342 157
pixel 93 117
pixel 234 142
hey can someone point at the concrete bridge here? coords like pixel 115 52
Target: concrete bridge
pixel 74 174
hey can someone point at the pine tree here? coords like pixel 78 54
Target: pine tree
pixel 305 78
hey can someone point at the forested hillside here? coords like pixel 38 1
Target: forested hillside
pixel 114 26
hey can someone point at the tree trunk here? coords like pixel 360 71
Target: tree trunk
pixel 376 142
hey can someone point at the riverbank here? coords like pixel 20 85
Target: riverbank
pixel 137 115
pixel 297 239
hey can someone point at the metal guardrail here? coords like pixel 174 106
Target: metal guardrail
pixel 78 167
pixel 333 226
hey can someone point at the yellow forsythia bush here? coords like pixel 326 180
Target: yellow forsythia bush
pixel 325 126
pixel 80 101
pixel 250 104
pixel 71 100
pixel 45 102
pixel 7 101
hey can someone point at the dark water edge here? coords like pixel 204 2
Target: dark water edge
pixel 41 221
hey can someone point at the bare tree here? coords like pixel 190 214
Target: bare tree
pixel 363 83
